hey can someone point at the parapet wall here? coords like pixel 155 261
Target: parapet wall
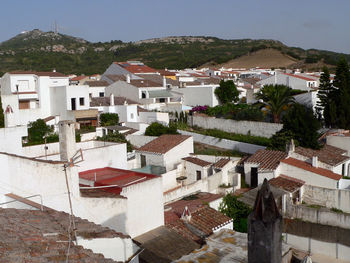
pixel 255 128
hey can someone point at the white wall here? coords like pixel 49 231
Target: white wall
pixel 256 128
pixel 223 143
pixel 140 140
pixel 95 91
pixel 152 116
pixel 11 139
pixel 308 177
pixel 173 157
pixel 199 95
pixel 342 142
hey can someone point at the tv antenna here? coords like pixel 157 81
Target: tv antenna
pixel 77 158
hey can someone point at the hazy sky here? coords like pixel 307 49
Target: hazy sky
pixel 317 24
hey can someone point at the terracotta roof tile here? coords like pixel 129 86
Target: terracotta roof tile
pixel 163 143
pixel 287 183
pixel 328 154
pixel 221 163
pixel 197 161
pixel 77 78
pixel 299 77
pixel 34 236
pixel 308 167
pixel 267 159
pixel 97 83
pixel 139 68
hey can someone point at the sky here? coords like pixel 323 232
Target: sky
pixel 317 24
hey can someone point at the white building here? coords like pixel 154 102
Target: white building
pixel 28 96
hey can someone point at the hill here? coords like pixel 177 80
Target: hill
pixel 264 58
pixel 38 50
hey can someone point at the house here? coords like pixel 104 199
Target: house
pixel 167 151
pixel 45 236
pixel 129 67
pixel 97 88
pixel 340 139
pixel 295 81
pixel 329 157
pixel 43 172
pixel 28 96
pixel 310 173
pixel 263 164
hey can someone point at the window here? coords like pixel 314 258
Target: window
pixel 161 100
pixel 343 169
pixel 81 101
pixel 101 94
pixel 199 175
pixel 73 105
pixel 143 95
pixel 143 160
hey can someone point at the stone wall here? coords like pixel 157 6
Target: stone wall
pixel 331 198
pixel 223 143
pixel 255 128
pixel 316 238
pixel 318 215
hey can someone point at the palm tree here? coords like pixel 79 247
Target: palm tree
pixel 277 98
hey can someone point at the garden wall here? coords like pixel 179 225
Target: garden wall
pixel 255 128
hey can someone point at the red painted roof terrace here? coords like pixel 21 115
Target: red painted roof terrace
pixel 117 177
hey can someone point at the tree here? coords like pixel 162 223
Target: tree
pixel 157 129
pixel 277 98
pixel 237 210
pixel 116 137
pixel 323 107
pixel 37 130
pixel 227 92
pixel 109 119
pixel 341 94
pixel 301 123
pixel 2 117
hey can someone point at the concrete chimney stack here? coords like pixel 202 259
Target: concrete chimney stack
pixel 128 78
pixel 67 140
pixel 315 161
pixel 112 100
pixel 164 82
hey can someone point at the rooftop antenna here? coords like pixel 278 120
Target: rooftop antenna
pixel 77 158
pixel 56 28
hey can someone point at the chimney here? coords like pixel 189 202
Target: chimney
pixel 67 140
pixel 186 214
pixel 54 70
pixel 290 147
pixel 315 161
pixel 128 78
pixel 275 77
pixel 164 82
pixel 265 229
pixel 111 100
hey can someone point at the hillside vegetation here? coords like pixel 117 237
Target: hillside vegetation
pixel 37 50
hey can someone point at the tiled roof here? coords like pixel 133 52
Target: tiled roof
pixel 166 73
pixel 164 245
pixel 197 161
pixel 139 68
pixel 38 73
pixel 267 159
pixel 77 78
pixel 106 101
pixel 159 79
pixel 97 83
pixel 328 154
pixel 287 183
pixel 193 202
pixel 308 167
pixel 41 236
pixel 202 223
pixel 140 109
pixel 163 143
pixel 221 163
pixel 299 77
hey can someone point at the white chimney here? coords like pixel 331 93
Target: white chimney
pixel 111 100
pixel 164 82
pixel 128 78
pixel 67 140
pixel 54 70
pixel 314 161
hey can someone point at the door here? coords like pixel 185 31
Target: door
pixel 143 160
pixel 73 104
pixel 199 175
pixel 254 177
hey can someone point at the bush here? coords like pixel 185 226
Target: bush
pixel 116 137
pixel 109 119
pixel 38 130
pixel 236 112
pixel 157 129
